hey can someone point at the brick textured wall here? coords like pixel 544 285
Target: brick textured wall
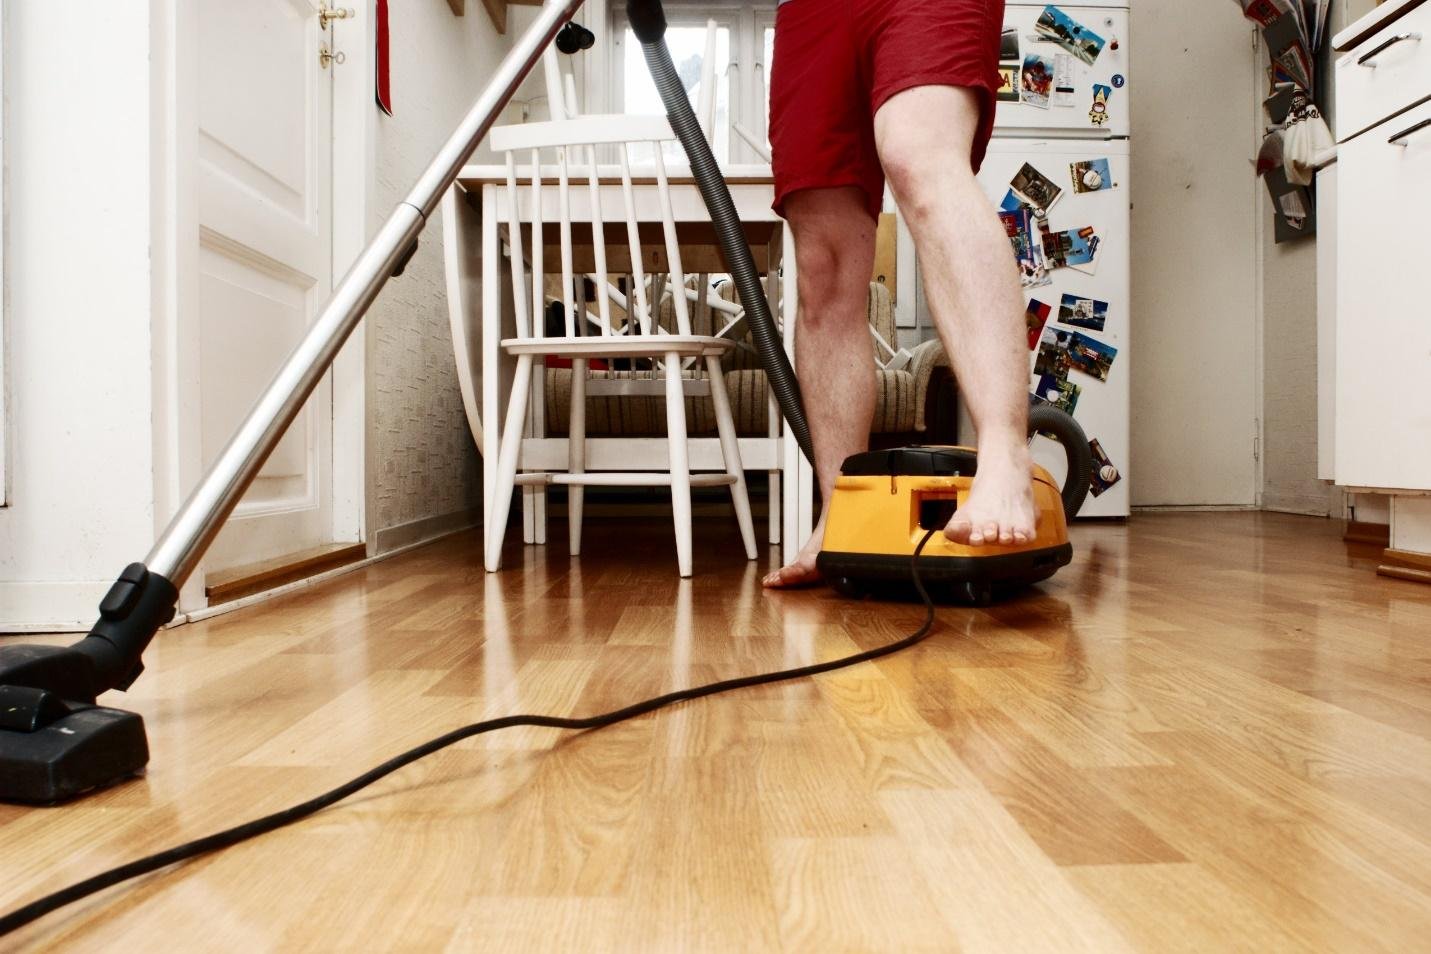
pixel 424 469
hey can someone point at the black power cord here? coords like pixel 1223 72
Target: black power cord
pixel 39 908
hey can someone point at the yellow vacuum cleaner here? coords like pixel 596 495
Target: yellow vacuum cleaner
pixel 885 501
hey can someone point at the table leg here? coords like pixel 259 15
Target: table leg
pixel 491 358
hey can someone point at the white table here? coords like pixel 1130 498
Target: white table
pixel 474 214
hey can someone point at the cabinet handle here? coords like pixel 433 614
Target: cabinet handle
pixel 1368 58
pixel 1400 139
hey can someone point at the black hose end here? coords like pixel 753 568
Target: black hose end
pixel 648 20
pixel 574 38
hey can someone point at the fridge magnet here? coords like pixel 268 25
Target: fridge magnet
pixel 1119 80
pixel 1079 312
pixel 1091 175
pixel 1008 91
pixel 1036 80
pixel 1053 358
pixel 1073 247
pixel 1090 356
pixel 1035 317
pixel 1098 112
pixel 1060 392
pixel 1035 190
pixel 1055 25
pixel 1104 474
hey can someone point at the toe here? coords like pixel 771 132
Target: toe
pixel 959 530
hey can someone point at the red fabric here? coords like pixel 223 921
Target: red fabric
pixel 384 89
pixel 838 61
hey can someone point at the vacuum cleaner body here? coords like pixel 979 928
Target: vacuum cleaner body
pixel 883 503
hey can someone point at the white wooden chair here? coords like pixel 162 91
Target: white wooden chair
pixel 638 335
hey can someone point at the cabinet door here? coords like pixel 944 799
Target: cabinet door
pixel 1383 372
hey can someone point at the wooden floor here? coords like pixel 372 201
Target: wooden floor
pixel 1211 732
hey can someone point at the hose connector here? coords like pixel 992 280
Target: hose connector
pixel 648 19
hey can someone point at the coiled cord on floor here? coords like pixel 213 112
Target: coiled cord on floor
pixel 39 908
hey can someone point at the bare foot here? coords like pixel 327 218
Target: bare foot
pixel 1000 507
pixel 802 572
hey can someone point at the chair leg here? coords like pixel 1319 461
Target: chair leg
pixel 506 462
pixel 680 461
pixel 774 474
pixel 730 453
pixel 576 453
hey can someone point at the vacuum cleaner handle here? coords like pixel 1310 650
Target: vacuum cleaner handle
pixel 648 22
pixel 1058 424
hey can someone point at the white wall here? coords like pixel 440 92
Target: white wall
pixel 1289 375
pixel 1194 388
pixel 424 470
pixel 79 277
pixel 1289 347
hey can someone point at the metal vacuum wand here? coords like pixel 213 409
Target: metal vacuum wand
pixel 54 742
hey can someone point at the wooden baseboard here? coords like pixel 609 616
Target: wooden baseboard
pixel 1377 534
pixel 1405 565
pixel 241 581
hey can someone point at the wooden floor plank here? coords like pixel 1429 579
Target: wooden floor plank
pixel 1209 732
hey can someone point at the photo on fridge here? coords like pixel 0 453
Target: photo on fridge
pixel 1079 312
pixel 1104 475
pixel 1035 190
pixel 1037 80
pixel 1091 175
pixel 1035 317
pixel 1060 392
pixel 1053 358
pixel 1068 33
pixel 1008 91
pixel 1090 356
pixel 1071 247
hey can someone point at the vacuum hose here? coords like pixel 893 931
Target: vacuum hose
pixel 1055 423
pixel 648 21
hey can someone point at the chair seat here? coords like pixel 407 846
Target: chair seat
pixel 621 346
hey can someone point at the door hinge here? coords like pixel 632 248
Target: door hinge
pixel 326 13
pixel 325 56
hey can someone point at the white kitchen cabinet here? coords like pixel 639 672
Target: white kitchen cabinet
pixel 1383 280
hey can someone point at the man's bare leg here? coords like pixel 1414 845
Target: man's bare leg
pixel 924 137
pixel 834 354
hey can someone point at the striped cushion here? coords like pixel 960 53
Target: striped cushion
pixel 895 410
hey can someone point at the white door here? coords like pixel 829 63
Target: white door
pixel 264 185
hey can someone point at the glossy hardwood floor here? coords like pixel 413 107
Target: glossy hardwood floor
pixel 1211 732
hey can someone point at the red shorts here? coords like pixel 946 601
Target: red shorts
pixel 837 62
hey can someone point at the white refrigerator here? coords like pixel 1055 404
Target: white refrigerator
pixel 1069 121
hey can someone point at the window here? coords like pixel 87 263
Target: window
pixel 745 39
pixel 688 49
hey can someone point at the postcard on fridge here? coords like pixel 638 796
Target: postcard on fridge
pixel 1068 33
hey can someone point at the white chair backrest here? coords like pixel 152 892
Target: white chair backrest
pixel 576 140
